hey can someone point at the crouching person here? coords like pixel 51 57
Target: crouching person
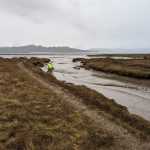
pixel 50 67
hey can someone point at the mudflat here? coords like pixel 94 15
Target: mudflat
pixel 40 112
pixel 136 67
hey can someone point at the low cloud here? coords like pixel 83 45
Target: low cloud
pixel 90 23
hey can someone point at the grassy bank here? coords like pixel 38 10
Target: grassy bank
pixel 137 68
pixel 97 100
pixel 34 117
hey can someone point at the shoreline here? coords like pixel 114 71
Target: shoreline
pixel 93 95
pixel 36 107
pixel 135 68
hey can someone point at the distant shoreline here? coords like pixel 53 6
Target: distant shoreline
pixel 25 54
pixel 41 54
pixel 76 53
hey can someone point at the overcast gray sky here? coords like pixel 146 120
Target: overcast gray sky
pixel 75 23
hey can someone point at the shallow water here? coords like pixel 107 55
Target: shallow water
pixel 135 98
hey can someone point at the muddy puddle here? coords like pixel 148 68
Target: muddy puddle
pixel 136 98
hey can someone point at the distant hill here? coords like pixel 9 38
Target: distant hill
pixel 37 50
pixel 128 51
pixel 32 49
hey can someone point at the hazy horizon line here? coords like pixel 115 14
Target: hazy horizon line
pixel 36 45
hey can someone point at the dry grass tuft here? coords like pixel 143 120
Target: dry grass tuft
pixel 137 68
pixel 33 117
pixel 90 97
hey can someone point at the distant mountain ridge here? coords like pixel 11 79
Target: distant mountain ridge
pixel 33 49
pixel 36 49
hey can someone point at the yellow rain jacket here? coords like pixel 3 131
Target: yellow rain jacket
pixel 50 66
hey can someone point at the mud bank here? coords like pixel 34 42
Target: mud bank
pixel 136 68
pixel 40 112
pixel 94 99
pixel 129 92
